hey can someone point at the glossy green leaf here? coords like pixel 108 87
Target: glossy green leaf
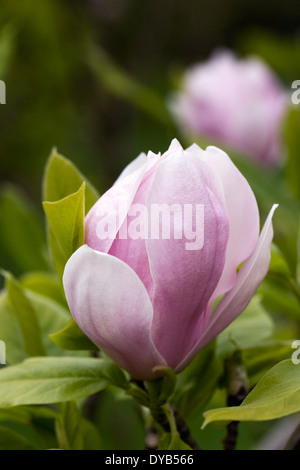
pixel 51 317
pixel 52 380
pixel 66 223
pixel 20 306
pixel 26 428
pixel 250 329
pixel 75 432
pixel 10 333
pixel 27 319
pixel 62 178
pixel 45 284
pixel 169 442
pixel 276 395
pixel 19 437
pixel 22 239
pixel 120 421
pixel 71 338
pixel 259 360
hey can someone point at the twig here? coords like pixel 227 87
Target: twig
pixel 237 391
pixel 181 426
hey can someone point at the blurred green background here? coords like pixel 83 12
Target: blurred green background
pixel 60 60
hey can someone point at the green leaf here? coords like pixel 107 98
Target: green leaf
pixel 27 428
pixel 178 444
pixel 72 338
pixel 259 360
pixel 276 395
pixel 75 432
pixel 45 284
pixel 250 329
pixel 197 382
pixel 19 437
pixel 167 442
pixel 52 380
pixel 10 333
pixel 163 387
pixel 51 317
pixel 175 442
pixel 66 222
pixel 62 178
pixel 120 421
pixel 22 240
pixel 22 308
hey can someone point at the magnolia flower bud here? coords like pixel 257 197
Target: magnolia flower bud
pixel 161 246
pixel 239 103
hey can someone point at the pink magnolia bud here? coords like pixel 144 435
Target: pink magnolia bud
pixel 238 103
pixel 142 287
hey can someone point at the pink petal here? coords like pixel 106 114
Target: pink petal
pixel 237 197
pixel 112 207
pixel 111 306
pixel 234 302
pixel 133 250
pixel 184 280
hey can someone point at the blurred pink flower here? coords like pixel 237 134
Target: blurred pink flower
pixel 148 301
pixel 238 103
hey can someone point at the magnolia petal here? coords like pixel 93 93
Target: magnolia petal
pixel 237 197
pixel 234 302
pixel 105 218
pixel 184 279
pixel 111 306
pixel 129 244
